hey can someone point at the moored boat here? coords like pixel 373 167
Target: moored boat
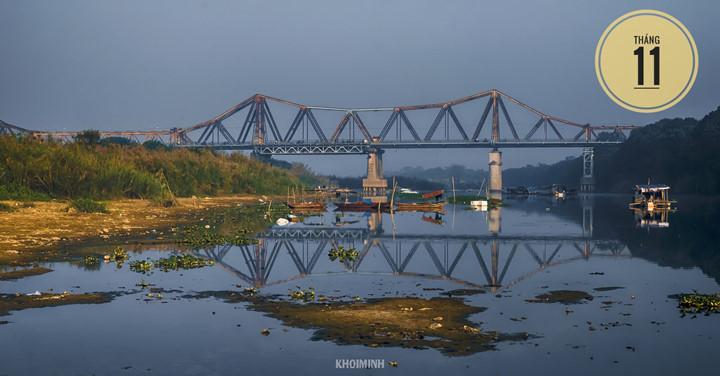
pixel 307 206
pixel 362 205
pixel 420 206
pixel 425 206
pixel 652 196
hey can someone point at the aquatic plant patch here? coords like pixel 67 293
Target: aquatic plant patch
pixel 303 295
pixel 698 303
pixel 200 236
pixel 173 262
pixel 341 254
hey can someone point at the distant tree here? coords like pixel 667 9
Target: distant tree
pixel 610 136
pixel 154 145
pixel 87 137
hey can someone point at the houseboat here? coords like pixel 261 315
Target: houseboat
pixel 652 196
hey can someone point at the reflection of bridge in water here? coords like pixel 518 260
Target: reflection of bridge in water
pixel 485 259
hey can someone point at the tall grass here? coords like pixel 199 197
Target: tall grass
pixel 111 171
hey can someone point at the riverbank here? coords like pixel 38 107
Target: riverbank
pixel 44 226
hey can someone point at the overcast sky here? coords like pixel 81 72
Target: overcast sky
pixel 134 65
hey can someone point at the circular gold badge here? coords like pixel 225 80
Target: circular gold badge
pixel 646 61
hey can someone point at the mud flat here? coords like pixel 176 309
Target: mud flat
pixel 49 225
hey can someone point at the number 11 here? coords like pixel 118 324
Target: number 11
pixel 641 71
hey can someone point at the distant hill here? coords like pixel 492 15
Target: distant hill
pixel 682 153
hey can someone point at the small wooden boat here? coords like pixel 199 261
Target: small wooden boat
pixel 307 206
pixel 652 196
pixel 425 206
pixel 437 195
pixel 420 206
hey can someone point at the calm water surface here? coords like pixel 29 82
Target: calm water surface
pixel 530 248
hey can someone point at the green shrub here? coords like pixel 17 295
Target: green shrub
pixel 17 192
pixel 5 207
pixel 87 205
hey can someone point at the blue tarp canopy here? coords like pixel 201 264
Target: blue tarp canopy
pixel 652 187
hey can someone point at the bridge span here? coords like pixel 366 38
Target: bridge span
pixel 269 126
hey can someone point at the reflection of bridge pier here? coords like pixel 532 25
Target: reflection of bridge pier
pixel 374 185
pixel 587 218
pixel 494 220
pixel 375 223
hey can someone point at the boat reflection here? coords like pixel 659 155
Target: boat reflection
pixel 658 218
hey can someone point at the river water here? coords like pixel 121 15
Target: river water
pixel 629 265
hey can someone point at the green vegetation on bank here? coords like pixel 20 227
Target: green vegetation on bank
pixel 101 170
pixel 87 205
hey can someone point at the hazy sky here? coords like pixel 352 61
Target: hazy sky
pixel 133 65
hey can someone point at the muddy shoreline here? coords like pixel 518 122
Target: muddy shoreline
pixel 27 234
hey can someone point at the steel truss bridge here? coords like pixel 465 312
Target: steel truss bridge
pixel 489 258
pixel 291 128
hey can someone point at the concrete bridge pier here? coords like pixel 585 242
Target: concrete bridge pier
pixel 495 174
pixel 494 216
pixel 375 185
